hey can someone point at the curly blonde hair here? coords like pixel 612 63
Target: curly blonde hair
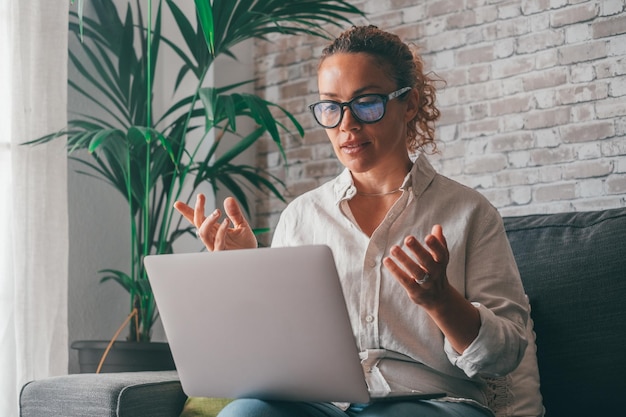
pixel 404 65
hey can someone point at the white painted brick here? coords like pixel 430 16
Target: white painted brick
pixel 545 79
pixel 516 177
pixel 486 163
pixel 585 132
pixel 512 86
pixel 556 4
pixel 444 60
pixel 617 87
pixel 509 10
pixel 477 146
pixel 550 174
pixel 617 46
pixel 434 26
pixel 582 93
pixel 614 147
pixel 546 59
pixel 588 51
pixel 552 156
pixel 616 184
pixel 585 112
pixel 547 138
pixel 620 126
pixel 475 181
pixel 582 73
pixel 373 7
pixel 577 33
pixel 620 166
pixel 519 159
pixel 452 167
pixel 479 128
pixel 534 6
pixel 511 142
pixel 447 133
pixel 474 35
pixel 517 65
pixel 505 48
pixel 539 22
pixel 480 91
pixel 611 7
pixel 587 169
pixel 479 73
pixel 512 28
pixel 445 41
pixel 575 14
pixel 589 151
pixel 511 105
pixel 540 40
pixel 591 188
pixel 555 192
pixel 514 122
pixel 487 14
pixel 497 197
pixel 609 27
pixel 521 195
pixel 547 118
pixel 611 107
pixel 409 12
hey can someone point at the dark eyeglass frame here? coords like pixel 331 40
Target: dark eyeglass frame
pixel 384 97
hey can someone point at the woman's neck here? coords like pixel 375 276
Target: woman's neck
pixel 381 182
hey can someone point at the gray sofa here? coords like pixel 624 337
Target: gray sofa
pixel 573 266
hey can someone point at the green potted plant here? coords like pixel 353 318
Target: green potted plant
pixel 149 158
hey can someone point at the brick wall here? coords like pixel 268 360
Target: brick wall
pixel 533 112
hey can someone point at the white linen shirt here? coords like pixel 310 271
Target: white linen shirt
pixel 401 346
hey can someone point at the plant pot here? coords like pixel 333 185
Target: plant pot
pixel 124 356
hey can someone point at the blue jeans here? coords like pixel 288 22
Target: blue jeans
pixel 260 408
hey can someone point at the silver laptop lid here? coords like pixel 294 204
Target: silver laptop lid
pixel 266 323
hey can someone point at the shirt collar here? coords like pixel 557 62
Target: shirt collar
pixel 417 180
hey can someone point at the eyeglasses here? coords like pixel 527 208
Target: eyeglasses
pixel 368 108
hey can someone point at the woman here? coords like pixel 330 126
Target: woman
pixel 445 314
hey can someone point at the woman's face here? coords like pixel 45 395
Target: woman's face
pixel 359 146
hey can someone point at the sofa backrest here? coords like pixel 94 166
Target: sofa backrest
pixel 573 266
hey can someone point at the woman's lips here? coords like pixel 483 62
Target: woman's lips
pixel 353 147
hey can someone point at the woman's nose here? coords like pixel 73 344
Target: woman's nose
pixel 348 121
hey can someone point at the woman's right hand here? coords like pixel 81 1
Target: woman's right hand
pixel 219 235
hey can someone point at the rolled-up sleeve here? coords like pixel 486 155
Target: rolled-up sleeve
pixel 485 355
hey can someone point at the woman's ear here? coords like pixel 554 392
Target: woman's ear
pixel 412 105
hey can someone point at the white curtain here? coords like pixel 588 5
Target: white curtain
pixel 33 204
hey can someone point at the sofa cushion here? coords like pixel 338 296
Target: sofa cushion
pixel 573 266
pixel 132 394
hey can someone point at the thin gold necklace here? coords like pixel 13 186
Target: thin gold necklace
pixel 379 194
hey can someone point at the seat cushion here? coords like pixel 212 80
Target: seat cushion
pixel 573 266
pixel 203 407
pixel 132 394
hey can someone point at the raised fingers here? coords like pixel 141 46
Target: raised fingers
pixel 438 245
pixel 234 213
pixel 198 214
pixel 186 211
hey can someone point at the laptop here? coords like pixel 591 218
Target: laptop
pixel 268 323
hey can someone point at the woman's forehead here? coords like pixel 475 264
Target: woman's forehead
pixel 350 74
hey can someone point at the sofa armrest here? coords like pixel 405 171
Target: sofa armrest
pixel 130 394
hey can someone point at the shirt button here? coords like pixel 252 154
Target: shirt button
pixel 369 318
pixel 372 263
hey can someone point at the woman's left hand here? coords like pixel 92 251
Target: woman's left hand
pixel 421 270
